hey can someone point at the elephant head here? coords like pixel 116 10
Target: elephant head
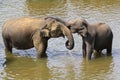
pixel 78 26
pixel 54 29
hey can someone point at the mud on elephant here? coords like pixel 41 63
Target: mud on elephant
pixel 25 33
pixel 96 36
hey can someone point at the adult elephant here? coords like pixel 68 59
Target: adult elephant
pixel 96 36
pixel 25 33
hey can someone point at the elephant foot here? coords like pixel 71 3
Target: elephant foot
pixel 109 54
pixel 44 55
pixel 97 54
pixel 88 57
pixel 8 51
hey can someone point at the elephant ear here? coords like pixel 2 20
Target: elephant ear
pixel 85 24
pixel 44 31
pixel 68 24
pixel 84 30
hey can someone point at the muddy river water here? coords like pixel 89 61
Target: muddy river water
pixel 61 64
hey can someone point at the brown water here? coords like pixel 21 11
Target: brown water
pixel 61 63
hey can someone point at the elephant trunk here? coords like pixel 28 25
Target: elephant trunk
pixel 70 42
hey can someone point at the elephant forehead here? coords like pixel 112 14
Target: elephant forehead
pixel 54 26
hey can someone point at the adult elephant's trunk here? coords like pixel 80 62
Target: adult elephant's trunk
pixel 70 42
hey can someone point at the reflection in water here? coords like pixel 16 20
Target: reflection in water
pixel 101 71
pixel 96 3
pixel 70 68
pixel 60 65
pixel 59 68
pixel 95 10
pixel 27 68
pixel 43 7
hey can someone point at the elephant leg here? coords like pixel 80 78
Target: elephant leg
pixel 84 50
pixel 40 44
pixel 41 51
pixel 89 51
pixel 44 54
pixel 8 46
pixel 109 50
pixel 109 46
pixel 89 48
pixel 40 48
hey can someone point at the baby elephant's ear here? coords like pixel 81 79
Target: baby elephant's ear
pixel 84 31
pixel 45 33
pixel 85 24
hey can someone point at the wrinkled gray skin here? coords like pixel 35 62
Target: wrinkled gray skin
pixel 25 33
pixel 96 36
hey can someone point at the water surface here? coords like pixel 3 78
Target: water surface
pixel 61 63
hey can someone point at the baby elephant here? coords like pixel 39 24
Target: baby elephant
pixel 96 36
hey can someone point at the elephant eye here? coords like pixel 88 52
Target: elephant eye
pixel 81 26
